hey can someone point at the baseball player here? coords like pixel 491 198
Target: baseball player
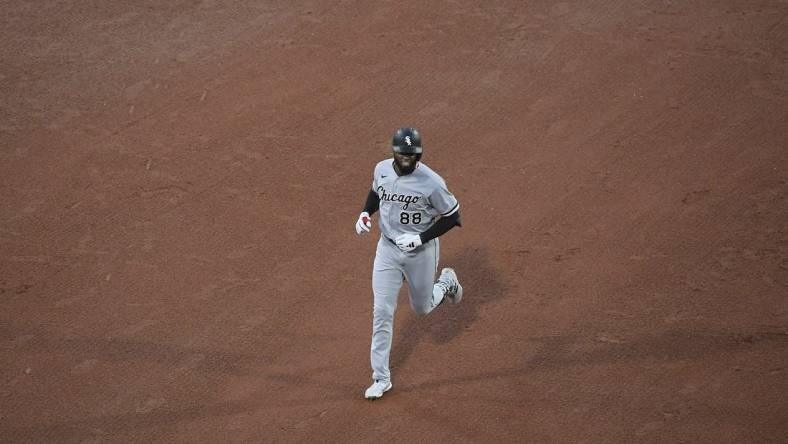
pixel 415 209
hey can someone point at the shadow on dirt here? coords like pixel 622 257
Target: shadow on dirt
pixel 481 285
pixel 558 355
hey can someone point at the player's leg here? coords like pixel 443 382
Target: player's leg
pixel 419 268
pixel 386 283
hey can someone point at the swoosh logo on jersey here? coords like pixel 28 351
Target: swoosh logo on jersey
pixel 382 177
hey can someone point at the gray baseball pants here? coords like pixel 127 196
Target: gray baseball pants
pixel 392 265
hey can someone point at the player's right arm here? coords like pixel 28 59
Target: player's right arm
pixel 371 206
pixel 373 202
pixel 364 222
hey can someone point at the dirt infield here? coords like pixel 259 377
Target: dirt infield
pixel 179 185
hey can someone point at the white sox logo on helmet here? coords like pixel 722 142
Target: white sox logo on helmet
pixel 407 140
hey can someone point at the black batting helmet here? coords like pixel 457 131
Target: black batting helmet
pixel 407 141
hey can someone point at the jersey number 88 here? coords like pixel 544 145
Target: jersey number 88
pixel 409 218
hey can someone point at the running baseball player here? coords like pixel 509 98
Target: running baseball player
pixel 416 208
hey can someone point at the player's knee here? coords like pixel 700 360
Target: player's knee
pixel 422 309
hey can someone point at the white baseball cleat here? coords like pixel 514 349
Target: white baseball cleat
pixel 452 284
pixel 377 389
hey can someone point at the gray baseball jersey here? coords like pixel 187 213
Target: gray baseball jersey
pixel 408 204
pixel 411 203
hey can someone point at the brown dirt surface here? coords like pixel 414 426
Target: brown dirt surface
pixel 179 183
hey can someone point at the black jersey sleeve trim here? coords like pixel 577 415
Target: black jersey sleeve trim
pixel 452 210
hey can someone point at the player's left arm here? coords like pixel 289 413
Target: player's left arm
pixel 444 201
pixel 441 226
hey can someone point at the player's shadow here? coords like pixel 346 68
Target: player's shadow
pixel 481 285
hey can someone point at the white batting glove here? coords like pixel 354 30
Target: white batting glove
pixel 408 242
pixel 364 223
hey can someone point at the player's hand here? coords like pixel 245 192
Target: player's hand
pixel 364 223
pixel 408 242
